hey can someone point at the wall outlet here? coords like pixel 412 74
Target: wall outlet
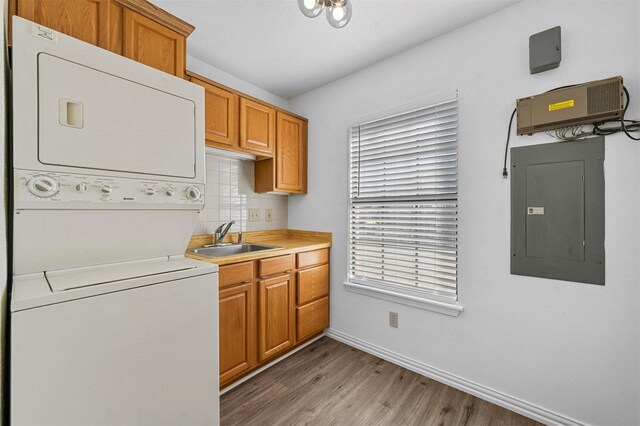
pixel 268 215
pixel 254 215
pixel 393 319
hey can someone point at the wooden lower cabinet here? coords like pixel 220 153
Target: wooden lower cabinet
pixel 312 283
pixel 237 309
pixel 268 307
pixel 312 311
pixel 276 327
pixel 312 318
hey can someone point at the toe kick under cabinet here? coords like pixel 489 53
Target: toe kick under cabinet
pixel 270 306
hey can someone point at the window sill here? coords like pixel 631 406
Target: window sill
pixel 447 308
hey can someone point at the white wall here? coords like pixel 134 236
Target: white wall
pixel 229 80
pixel 572 349
pixel 229 196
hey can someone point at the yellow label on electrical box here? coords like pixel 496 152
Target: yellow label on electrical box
pixel 562 105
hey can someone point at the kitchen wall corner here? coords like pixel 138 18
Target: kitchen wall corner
pixel 229 196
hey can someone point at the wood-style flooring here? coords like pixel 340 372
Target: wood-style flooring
pixel 329 383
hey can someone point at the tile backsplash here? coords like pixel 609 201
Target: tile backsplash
pixel 229 196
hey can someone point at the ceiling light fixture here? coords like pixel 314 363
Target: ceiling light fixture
pixel 338 11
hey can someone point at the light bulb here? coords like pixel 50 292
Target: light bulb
pixel 339 16
pixel 311 8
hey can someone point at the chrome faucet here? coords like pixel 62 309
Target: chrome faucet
pixel 221 232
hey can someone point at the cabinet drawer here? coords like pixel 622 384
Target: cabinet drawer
pixel 313 283
pixel 312 318
pixel 315 257
pixel 276 265
pixel 236 274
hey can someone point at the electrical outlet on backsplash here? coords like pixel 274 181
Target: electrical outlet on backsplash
pixel 229 196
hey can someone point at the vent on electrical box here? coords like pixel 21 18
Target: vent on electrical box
pixel 603 98
pixel 586 103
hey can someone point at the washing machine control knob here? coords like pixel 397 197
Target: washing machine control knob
pixel 43 186
pixel 81 187
pixel 193 193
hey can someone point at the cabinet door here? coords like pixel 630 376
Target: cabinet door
pixel 87 20
pixel 257 127
pixel 221 111
pixel 153 44
pixel 277 316
pixel 291 154
pixel 237 331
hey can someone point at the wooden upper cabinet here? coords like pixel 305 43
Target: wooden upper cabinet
pixel 86 20
pixel 133 28
pixel 276 323
pixel 257 127
pixel 153 44
pixel 291 154
pixel 287 171
pixel 221 112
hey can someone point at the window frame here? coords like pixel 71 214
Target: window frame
pixel 412 296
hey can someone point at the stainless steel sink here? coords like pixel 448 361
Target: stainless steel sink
pixel 229 250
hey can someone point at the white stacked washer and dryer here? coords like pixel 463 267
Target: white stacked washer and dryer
pixel 110 323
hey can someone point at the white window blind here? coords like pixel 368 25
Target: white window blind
pixel 403 208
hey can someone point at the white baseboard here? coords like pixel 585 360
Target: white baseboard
pixel 275 361
pixel 514 404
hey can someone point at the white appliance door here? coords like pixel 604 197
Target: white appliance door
pixel 95 120
pixel 145 356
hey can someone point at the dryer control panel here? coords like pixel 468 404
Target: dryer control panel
pixel 37 189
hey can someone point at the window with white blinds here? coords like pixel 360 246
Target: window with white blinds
pixel 403 209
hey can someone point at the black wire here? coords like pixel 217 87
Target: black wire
pixel 622 125
pixel 634 126
pixel 505 172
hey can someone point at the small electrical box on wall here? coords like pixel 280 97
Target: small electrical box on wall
pixel 557 211
pixel 545 50
pixel 579 104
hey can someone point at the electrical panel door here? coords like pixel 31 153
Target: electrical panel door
pixel 557 211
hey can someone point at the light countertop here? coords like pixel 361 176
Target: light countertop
pixel 291 241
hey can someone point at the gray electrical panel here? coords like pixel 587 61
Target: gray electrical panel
pixel 557 211
pixel 545 50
